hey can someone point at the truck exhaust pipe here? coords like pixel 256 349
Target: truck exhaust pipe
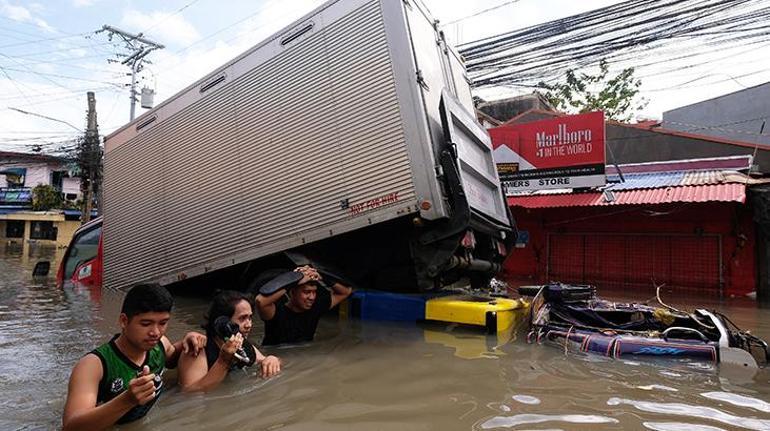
pixel 456 262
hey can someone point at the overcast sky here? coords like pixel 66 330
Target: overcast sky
pixel 50 55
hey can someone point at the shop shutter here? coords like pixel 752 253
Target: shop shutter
pixel 686 264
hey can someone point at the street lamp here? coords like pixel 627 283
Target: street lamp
pixel 44 116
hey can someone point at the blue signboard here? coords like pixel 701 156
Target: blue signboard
pixel 12 195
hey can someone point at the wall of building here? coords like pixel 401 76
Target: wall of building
pixel 737 116
pixel 36 174
pixel 40 173
pixel 731 222
pixel 505 109
pixel 635 145
pixel 65 228
pixel 71 186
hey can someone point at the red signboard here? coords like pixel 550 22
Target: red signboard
pixel 564 152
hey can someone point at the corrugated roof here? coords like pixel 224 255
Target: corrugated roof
pixel 732 192
pixel 646 180
pixel 725 163
pixel 652 180
pixel 8 156
pixel 704 177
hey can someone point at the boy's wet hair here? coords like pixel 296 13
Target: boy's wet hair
pixel 147 298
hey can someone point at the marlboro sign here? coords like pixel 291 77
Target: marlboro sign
pixel 561 153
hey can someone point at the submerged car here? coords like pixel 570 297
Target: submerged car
pixel 572 316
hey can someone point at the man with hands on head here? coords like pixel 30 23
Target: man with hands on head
pixel 119 381
pixel 292 303
pixel 228 324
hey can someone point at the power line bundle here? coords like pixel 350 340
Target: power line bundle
pixel 641 33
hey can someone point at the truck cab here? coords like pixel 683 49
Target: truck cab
pixel 82 263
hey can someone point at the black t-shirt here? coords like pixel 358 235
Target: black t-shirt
pixel 287 326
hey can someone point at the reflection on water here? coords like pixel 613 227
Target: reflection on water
pixel 526 399
pixel 739 400
pixel 694 411
pixel 372 375
pixel 525 419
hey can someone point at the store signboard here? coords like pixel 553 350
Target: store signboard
pixel 560 153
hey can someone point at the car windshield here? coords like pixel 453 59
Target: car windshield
pixel 84 248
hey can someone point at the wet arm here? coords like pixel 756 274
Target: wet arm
pixel 194 342
pixel 196 376
pixel 259 355
pixel 339 293
pixel 172 351
pixel 266 304
pixel 80 409
pixel 268 365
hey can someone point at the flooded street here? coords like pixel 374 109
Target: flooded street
pixel 372 375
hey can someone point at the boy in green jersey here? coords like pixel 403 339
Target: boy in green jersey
pixel 120 380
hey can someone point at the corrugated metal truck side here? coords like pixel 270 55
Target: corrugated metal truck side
pixel 348 136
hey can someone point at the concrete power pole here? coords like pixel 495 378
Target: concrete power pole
pixel 139 47
pixel 89 160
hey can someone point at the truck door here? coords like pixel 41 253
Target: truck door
pixel 449 106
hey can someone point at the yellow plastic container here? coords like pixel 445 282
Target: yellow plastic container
pixel 496 314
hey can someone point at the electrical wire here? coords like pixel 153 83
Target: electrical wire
pixel 667 30
pixel 164 19
pixel 482 12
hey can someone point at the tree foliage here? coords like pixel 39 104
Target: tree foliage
pixel 45 197
pixel 616 96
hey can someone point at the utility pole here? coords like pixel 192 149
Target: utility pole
pixel 89 161
pixel 139 47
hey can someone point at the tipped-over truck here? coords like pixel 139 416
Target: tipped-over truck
pixel 349 138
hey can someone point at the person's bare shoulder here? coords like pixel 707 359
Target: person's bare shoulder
pixel 83 385
pixel 90 365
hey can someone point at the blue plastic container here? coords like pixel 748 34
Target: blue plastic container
pixel 376 305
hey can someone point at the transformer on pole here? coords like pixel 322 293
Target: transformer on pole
pixel 140 47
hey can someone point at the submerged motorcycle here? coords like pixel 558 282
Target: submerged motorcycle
pixel 572 316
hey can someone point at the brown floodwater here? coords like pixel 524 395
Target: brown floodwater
pixel 372 375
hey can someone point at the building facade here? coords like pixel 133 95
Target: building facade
pixel 679 211
pixel 688 229
pixel 21 172
pixel 737 116
pixel 45 228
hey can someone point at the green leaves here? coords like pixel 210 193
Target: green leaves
pixel 45 197
pixel 615 95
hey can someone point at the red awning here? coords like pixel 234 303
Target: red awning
pixel 733 192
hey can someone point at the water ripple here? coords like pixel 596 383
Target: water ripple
pixel 739 400
pixel 659 387
pixel 679 426
pixel 526 399
pixel 516 420
pixel 681 409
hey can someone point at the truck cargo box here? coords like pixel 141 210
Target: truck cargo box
pixel 356 115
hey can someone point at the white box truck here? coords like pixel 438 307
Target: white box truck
pixel 348 137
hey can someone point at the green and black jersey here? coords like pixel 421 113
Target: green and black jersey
pixel 118 370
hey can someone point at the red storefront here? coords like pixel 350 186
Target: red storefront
pixel 685 226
